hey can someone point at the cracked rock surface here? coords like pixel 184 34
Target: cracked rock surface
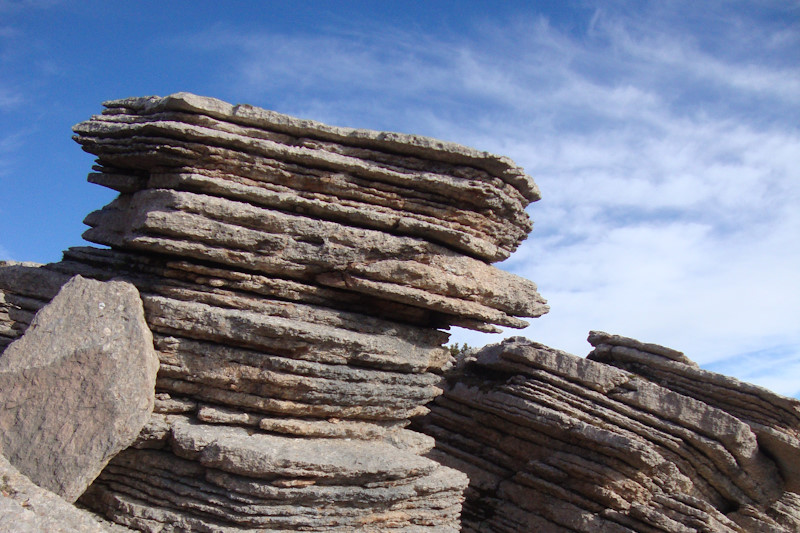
pixel 555 442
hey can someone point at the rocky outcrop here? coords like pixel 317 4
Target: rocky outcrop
pixel 77 387
pixel 774 419
pixel 297 278
pixel 553 442
pixel 397 217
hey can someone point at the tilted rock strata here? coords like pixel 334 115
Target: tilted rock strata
pixel 773 418
pixel 553 442
pixel 88 351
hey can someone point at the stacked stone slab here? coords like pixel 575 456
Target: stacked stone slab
pixel 296 278
pixel 649 443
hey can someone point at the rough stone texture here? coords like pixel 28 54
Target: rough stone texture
pixel 77 387
pixel 27 508
pixel 774 419
pixel 244 481
pixel 554 442
pixel 297 279
pixel 356 210
pixel 403 183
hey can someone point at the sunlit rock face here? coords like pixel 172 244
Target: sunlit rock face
pixel 633 438
pixel 297 279
pixel 77 387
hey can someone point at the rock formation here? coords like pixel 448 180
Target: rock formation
pixel 296 278
pixel 553 442
pixel 77 388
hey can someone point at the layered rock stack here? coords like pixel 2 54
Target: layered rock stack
pixel 296 278
pixel 648 443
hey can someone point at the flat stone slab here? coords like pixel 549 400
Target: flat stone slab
pixel 78 386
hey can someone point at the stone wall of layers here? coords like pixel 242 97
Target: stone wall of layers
pixel 297 278
pixel 649 443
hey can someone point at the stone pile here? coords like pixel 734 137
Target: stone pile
pixel 648 443
pixel 296 278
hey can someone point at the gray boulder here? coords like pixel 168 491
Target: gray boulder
pixel 78 386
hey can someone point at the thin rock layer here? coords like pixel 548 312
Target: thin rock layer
pixel 554 442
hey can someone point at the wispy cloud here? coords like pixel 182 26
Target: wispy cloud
pixel 18 5
pixel 9 98
pixel 776 368
pixel 668 163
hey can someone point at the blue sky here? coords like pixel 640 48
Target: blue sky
pixel 664 137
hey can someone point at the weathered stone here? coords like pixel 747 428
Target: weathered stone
pixel 230 479
pixel 444 192
pixel 296 278
pixel 27 508
pixel 78 386
pixel 560 443
pixel 402 269
pixel 773 418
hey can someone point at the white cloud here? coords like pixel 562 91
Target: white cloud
pixel 669 168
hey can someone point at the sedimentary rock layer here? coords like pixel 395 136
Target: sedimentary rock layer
pixel 403 220
pixel 553 442
pixel 229 479
pixel 296 278
pixel 409 185
pixel 269 358
pixel 773 418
